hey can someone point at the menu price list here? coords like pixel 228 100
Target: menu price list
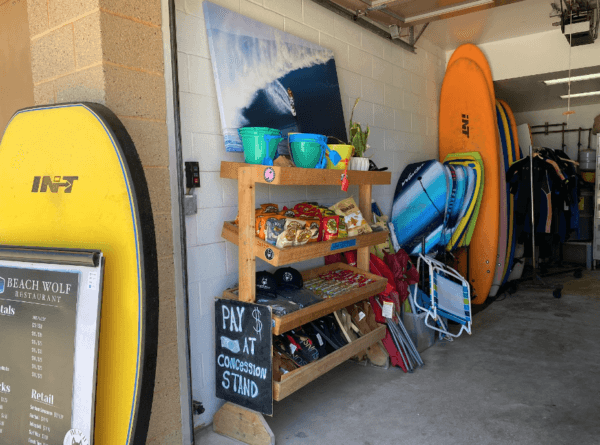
pixel 37 343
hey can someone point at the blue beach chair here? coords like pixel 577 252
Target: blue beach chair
pixel 449 297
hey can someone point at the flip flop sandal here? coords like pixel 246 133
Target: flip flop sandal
pixel 305 348
pixel 316 338
pixel 345 322
pixel 376 354
pixel 330 339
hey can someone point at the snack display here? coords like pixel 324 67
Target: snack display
pixel 335 282
pixel 308 222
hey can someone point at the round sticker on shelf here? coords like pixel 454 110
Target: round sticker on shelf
pixel 269 174
pixel 75 437
pixel 269 254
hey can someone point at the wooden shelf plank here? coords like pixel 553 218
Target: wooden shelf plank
pixel 280 257
pixel 305 176
pixel 327 306
pixel 293 381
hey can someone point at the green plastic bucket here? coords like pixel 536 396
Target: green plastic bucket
pixel 260 144
pixel 306 154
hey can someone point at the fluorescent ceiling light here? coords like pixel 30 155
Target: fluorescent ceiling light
pixel 573 79
pixel 448 10
pixel 589 93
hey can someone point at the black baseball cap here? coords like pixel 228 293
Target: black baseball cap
pixel 266 283
pixel 289 277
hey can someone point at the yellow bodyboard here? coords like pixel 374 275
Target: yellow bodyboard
pixel 72 179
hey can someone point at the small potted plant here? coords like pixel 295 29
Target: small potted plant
pixel 358 139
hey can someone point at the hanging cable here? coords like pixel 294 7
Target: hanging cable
pixel 569 112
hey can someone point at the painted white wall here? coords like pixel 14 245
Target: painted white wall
pixel 583 117
pixel 540 53
pixel 400 94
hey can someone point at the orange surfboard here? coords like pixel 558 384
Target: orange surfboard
pixel 467 122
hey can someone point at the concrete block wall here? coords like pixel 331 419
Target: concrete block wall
pixel 110 52
pixel 399 99
pixel 16 83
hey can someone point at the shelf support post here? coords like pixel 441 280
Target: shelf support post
pixel 247 233
pixel 364 203
pixel 243 424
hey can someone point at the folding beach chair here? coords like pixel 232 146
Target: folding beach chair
pixel 449 297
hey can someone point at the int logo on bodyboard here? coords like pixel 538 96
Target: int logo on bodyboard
pixel 465 125
pixel 53 184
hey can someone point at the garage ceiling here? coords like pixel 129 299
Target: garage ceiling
pixel 531 93
pixel 511 21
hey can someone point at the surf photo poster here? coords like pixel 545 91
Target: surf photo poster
pixel 268 78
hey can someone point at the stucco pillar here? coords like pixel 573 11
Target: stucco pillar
pixel 110 52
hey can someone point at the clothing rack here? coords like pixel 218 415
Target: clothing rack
pixel 536 280
pixel 563 130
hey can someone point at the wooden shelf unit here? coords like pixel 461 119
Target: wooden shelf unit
pixel 280 257
pixel 252 247
pixel 293 381
pixel 303 176
pixel 327 306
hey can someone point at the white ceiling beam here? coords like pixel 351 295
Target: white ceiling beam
pixel 457 7
pixel 375 3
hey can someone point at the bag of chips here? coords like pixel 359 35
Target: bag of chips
pixel 302 237
pixel 286 238
pixel 314 225
pixel 329 227
pixel 342 229
pixel 353 218
pixel 288 213
pixel 275 225
pixel 261 223
pixel 270 208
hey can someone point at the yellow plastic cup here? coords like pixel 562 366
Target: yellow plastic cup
pixel 345 152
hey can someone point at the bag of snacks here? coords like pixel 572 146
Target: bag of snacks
pixel 342 229
pixel 313 224
pixel 286 238
pixel 264 208
pixel 288 213
pixel 302 237
pixel 353 218
pixel 275 225
pixel 270 208
pixel 261 223
pixel 329 227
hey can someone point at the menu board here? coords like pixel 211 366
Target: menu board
pixel 49 319
pixel 244 367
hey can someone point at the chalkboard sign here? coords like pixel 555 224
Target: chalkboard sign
pixel 244 354
pixel 49 323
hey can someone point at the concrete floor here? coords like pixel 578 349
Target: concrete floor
pixel 529 374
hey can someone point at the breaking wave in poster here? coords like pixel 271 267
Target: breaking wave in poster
pixel 251 66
